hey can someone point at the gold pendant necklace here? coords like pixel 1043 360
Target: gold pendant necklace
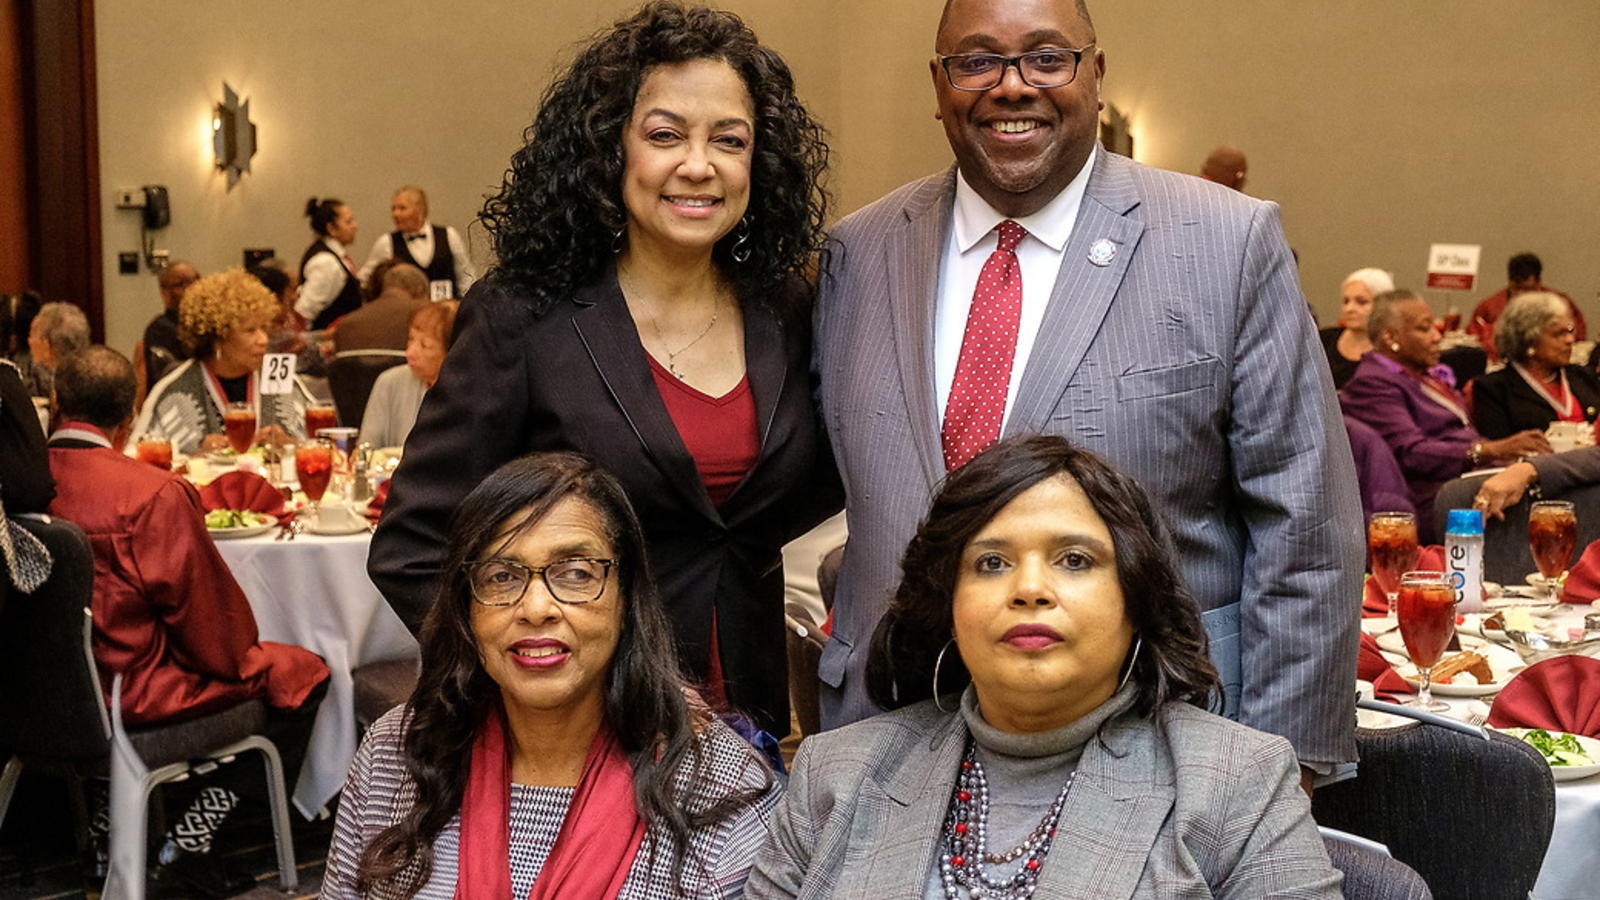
pixel 672 355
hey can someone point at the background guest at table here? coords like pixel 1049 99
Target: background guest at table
pixel 1524 274
pixel 1347 341
pixel 168 615
pixel 285 335
pixel 328 284
pixel 549 701
pixel 225 318
pixel 1402 392
pixel 382 321
pixel 58 330
pixel 1539 385
pixel 161 348
pixel 648 309
pixel 398 392
pixel 1041 611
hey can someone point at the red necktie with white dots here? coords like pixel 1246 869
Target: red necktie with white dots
pixel 977 402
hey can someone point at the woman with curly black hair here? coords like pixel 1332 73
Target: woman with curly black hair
pixel 650 309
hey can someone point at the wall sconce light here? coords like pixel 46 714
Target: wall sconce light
pixel 233 135
pixel 1116 131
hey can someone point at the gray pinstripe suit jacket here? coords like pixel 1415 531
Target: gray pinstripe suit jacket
pixel 1197 807
pixel 1188 361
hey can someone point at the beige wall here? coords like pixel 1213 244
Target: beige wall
pixel 1380 127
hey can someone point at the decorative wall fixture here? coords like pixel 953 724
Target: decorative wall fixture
pixel 233 135
pixel 1116 131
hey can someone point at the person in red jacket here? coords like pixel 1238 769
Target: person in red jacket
pixel 1523 274
pixel 168 615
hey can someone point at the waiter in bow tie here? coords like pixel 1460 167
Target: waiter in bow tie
pixel 435 249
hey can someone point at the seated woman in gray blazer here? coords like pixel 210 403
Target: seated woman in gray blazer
pixel 1047 673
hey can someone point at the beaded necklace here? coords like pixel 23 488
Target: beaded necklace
pixel 966 857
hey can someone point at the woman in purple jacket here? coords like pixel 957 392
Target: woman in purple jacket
pixel 1402 392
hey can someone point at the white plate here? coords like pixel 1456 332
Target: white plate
pixel 242 531
pixel 1568 773
pixel 1504 663
pixel 1376 625
pixel 316 526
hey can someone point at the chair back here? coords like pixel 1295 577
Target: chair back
pixel 1421 791
pixel 1370 873
pixel 351 376
pixel 51 703
pixel 158 362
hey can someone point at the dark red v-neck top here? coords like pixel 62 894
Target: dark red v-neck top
pixel 719 432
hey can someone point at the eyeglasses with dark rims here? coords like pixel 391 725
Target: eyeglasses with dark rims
pixel 1050 68
pixel 504 582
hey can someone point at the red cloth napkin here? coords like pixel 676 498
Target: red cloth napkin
pixel 1560 694
pixel 380 496
pixel 1371 666
pixel 1583 579
pixel 1430 559
pixel 244 491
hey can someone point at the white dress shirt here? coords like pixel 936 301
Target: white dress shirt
pixel 972 240
pixel 422 251
pixel 324 279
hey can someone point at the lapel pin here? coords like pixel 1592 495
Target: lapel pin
pixel 1102 252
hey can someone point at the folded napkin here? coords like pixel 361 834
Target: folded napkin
pixel 1560 694
pixel 380 496
pixel 1373 601
pixel 1583 579
pixel 1371 666
pixel 244 491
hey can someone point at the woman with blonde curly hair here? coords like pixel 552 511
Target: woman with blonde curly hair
pixel 223 318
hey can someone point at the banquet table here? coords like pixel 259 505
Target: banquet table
pixel 313 591
pixel 1573 858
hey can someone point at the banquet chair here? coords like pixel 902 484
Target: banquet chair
pixel 381 686
pixel 1421 791
pixel 53 713
pixel 351 376
pixel 1370 873
pixel 1507 558
pixel 805 641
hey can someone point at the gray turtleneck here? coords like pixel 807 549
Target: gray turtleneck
pixel 1025 772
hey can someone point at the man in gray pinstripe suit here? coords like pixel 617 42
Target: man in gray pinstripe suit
pixel 1161 324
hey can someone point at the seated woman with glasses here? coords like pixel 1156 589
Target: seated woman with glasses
pixel 549 745
pixel 1048 673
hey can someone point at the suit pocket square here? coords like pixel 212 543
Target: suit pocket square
pixel 1168 380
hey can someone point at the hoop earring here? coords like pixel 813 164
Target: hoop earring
pixel 1138 644
pixel 740 251
pixel 937 662
pixel 616 240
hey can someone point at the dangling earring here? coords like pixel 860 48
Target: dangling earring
pixel 1138 644
pixel 939 661
pixel 616 240
pixel 1530 351
pixel 740 251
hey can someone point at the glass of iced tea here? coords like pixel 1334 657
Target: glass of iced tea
pixel 155 450
pixel 313 465
pixel 239 422
pixel 1552 536
pixel 1392 547
pixel 1427 611
pixel 321 415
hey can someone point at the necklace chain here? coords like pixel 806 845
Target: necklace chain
pixel 655 326
pixel 966 859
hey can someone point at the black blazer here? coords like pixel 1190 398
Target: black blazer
pixel 576 378
pixel 1504 404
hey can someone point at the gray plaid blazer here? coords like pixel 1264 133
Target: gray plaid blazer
pixel 1187 359
pixel 1187 804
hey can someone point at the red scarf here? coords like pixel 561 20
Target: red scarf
pixel 596 845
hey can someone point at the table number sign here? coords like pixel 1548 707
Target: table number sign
pixel 277 373
pixel 1453 267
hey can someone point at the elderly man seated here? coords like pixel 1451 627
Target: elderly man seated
pixel 58 329
pixel 168 615
pixel 382 322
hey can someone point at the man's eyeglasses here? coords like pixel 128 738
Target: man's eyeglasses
pixel 502 582
pixel 1038 68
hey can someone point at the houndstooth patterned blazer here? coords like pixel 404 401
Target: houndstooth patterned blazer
pixel 378 793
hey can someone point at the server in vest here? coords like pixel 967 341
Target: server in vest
pixel 435 249
pixel 328 284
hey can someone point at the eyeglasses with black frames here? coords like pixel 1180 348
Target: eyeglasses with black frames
pixel 504 582
pixel 1039 68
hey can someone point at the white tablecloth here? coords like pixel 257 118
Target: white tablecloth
pixel 1571 869
pixel 314 592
